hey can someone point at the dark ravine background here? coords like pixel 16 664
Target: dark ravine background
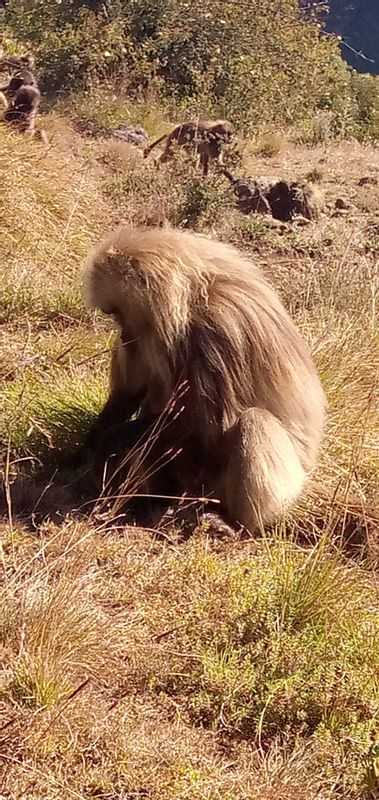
pixel 357 21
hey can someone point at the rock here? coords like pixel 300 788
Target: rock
pixel 341 204
pixel 133 134
pixel 367 180
pixel 89 126
pixel 250 194
pixel 339 212
pixel 285 200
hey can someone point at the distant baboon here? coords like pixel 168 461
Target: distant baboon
pixel 283 199
pixel 21 78
pixel 206 138
pixel 196 313
pixel 22 109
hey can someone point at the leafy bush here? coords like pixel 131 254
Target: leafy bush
pixel 269 145
pixel 74 41
pixel 365 93
pixel 203 202
pixel 250 61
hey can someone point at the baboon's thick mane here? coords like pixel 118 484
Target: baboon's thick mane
pixel 219 321
pixel 196 310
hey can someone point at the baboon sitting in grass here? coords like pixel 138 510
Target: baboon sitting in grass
pixel 196 313
pixel 205 138
pixel 22 97
pixel 22 78
pixel 22 110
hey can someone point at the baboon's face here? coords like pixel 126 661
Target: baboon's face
pixel 145 367
pixel 224 132
pixel 134 368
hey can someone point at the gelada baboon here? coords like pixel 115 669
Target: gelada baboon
pixel 22 109
pixel 206 138
pixel 196 311
pixel 21 78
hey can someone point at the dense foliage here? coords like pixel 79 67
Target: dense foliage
pixel 258 62
pixel 257 59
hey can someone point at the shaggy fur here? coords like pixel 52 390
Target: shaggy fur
pixel 21 78
pixel 22 110
pixel 206 138
pixel 194 310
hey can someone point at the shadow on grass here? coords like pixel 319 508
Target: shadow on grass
pixel 56 492
pixel 65 478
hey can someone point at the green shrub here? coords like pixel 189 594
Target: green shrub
pixel 74 42
pixel 203 202
pixel 365 93
pixel 269 145
pixel 252 61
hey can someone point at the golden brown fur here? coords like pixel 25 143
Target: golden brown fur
pixel 192 309
pixel 204 137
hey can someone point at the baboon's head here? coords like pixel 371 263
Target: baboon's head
pixel 118 285
pixel 27 60
pixel 222 129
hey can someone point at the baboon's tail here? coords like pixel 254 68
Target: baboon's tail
pixel 148 149
pixel 228 175
pixel 270 481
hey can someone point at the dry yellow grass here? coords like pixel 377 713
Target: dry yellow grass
pixel 143 663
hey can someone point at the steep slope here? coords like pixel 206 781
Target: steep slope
pixel 358 22
pixel 163 664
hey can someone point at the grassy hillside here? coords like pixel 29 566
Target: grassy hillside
pixel 184 662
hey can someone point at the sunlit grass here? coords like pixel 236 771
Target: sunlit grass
pixel 141 664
